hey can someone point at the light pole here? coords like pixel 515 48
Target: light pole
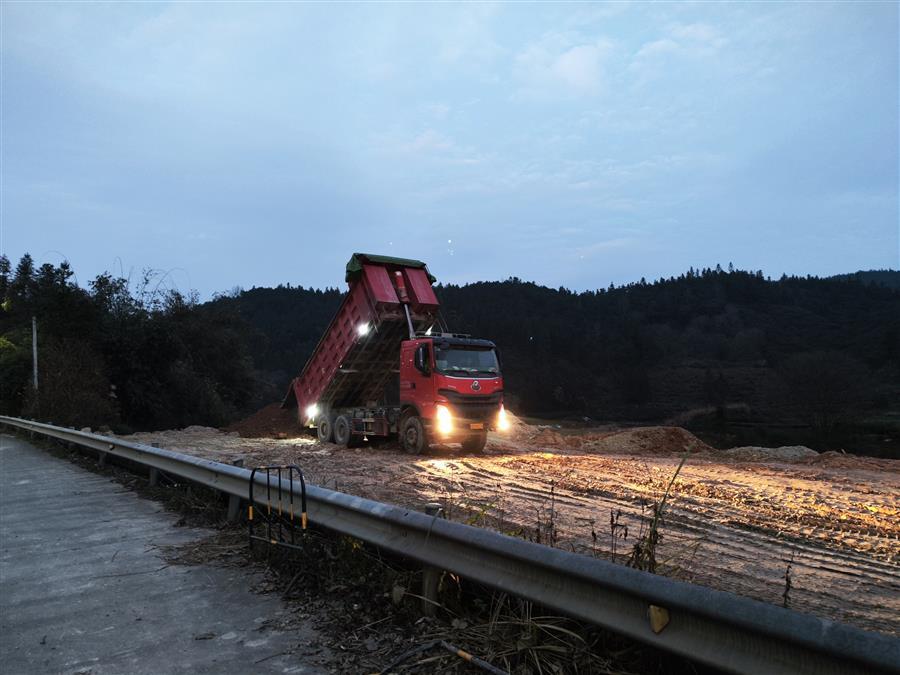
pixel 34 350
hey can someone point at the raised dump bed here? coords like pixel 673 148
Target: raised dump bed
pixel 359 351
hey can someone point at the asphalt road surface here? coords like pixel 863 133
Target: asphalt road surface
pixel 84 589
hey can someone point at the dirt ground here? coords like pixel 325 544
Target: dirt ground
pixel 736 519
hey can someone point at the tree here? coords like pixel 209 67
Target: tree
pixel 23 281
pixel 74 389
pixel 5 269
pixel 826 387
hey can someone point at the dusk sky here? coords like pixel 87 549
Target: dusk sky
pixel 570 144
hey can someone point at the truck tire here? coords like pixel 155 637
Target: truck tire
pixel 325 429
pixel 475 443
pixel 342 435
pixel 412 436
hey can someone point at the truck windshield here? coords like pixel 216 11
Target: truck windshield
pixel 466 361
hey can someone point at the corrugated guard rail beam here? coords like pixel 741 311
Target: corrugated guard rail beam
pixel 723 630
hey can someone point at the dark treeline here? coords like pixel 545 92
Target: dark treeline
pixel 711 348
pixel 119 354
pixel 707 347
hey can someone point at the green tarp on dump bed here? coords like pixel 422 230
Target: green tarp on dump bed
pixel 354 267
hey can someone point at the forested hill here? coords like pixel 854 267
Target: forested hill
pixel 728 345
pixel 888 278
pixel 646 350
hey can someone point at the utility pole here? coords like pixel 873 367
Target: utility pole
pixel 34 350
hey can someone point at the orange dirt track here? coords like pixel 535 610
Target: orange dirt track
pixel 735 520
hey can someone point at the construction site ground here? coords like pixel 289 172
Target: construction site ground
pixel 821 529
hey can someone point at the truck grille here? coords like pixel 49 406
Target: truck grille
pixel 479 408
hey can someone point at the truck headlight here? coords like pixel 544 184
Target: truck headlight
pixel 444 420
pixel 502 420
pixel 312 411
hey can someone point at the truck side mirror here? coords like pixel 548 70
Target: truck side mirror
pixel 421 360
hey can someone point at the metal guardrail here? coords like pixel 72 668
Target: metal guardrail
pixel 720 629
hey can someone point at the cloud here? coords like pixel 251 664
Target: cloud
pixel 580 66
pixel 656 48
pixel 555 66
pixel 437 110
pixel 692 40
pixel 698 34
pixel 429 151
pixel 428 141
pixel 600 247
pixel 467 35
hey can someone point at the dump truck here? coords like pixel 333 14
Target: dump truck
pixel 385 366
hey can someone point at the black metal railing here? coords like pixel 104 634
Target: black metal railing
pixel 277 515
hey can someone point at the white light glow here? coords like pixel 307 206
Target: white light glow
pixel 428 332
pixel 502 420
pixel 363 329
pixel 444 420
pixel 312 411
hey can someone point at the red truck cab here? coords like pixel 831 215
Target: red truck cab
pixel 451 390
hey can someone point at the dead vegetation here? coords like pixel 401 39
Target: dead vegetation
pixel 368 606
pixel 643 554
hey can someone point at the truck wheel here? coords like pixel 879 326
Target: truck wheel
pixel 412 436
pixel 325 429
pixel 475 443
pixel 342 433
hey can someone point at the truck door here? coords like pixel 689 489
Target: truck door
pixel 415 376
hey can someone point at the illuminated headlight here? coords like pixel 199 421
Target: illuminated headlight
pixel 444 420
pixel 312 411
pixel 363 329
pixel 502 420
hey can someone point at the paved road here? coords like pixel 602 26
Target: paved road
pixel 84 591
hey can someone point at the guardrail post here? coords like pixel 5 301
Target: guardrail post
pixel 234 502
pixel 101 458
pixel 431 576
pixel 154 473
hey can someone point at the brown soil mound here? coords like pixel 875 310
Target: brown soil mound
pixel 840 460
pixel 646 440
pixel 548 437
pixel 271 422
pixel 785 453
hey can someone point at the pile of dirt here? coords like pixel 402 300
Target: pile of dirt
pixel 273 421
pixel 842 460
pixel 637 441
pixel 192 434
pixel 548 437
pixel 786 453
pixel 646 440
pixel 518 430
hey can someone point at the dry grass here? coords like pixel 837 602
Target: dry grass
pixel 511 634
pixel 643 554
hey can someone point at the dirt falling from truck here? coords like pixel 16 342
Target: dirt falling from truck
pixel 734 521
